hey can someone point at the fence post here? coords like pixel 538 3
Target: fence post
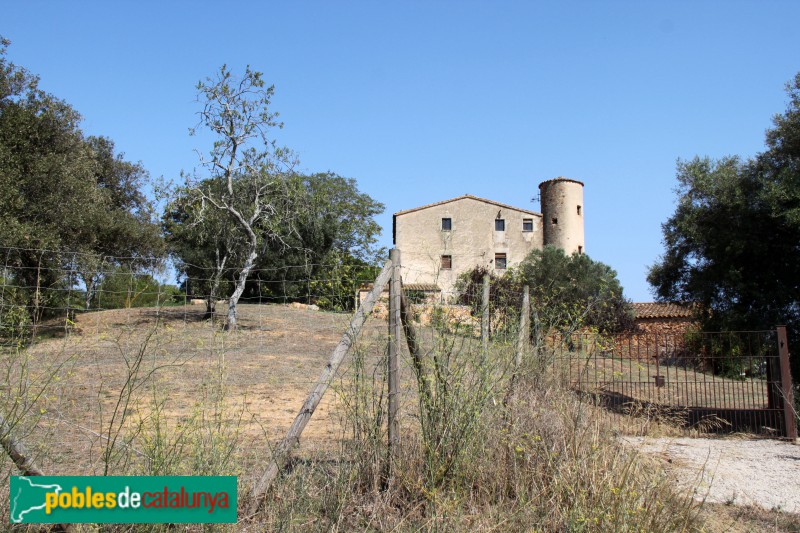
pixel 23 461
pixel 281 452
pixel 787 394
pixel 414 350
pixel 17 451
pixel 523 341
pixel 395 323
pixel 485 316
pixel 524 326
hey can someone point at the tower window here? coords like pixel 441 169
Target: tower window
pixel 447 224
pixel 500 261
pixel 499 224
pixel 447 262
pixel 580 250
pixel 579 210
pixel 555 221
pixel 527 224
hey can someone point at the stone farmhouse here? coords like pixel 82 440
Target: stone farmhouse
pixel 439 241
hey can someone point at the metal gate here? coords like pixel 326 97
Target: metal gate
pixel 711 382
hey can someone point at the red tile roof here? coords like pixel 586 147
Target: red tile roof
pixel 662 310
pixel 468 196
pixel 428 287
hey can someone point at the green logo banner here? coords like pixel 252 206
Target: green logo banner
pixel 123 499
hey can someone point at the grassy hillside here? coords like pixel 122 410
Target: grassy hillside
pixel 160 391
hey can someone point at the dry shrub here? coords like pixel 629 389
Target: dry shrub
pixel 540 460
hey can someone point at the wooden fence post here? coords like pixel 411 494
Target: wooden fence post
pixel 523 342
pixel 485 316
pixel 281 452
pixel 17 451
pixel 395 324
pixel 524 327
pixel 24 462
pixel 787 394
pixel 413 347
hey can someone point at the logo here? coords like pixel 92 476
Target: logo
pixel 123 499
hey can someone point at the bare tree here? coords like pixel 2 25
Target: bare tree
pixel 249 172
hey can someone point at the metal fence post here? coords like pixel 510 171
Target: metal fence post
pixel 787 394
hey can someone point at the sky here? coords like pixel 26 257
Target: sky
pixel 425 101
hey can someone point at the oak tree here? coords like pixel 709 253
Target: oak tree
pixel 248 174
pixel 732 243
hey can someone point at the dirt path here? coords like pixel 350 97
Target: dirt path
pixel 758 472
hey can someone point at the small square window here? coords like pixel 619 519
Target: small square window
pixel 499 224
pixel 527 224
pixel 447 262
pixel 579 210
pixel 500 261
pixel 447 224
pixel 555 221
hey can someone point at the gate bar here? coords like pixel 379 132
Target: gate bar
pixel 789 416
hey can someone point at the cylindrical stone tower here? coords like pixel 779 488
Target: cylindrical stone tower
pixel 562 214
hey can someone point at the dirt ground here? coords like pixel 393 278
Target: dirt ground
pixel 733 471
pixel 263 372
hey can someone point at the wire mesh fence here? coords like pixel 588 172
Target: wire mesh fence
pixel 128 373
pixel 107 366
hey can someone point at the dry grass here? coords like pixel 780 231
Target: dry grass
pixel 215 402
pixel 269 365
pixel 723 518
pixel 682 386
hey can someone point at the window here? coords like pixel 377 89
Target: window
pixel 499 224
pixel 579 210
pixel 527 224
pixel 500 261
pixel 447 224
pixel 580 250
pixel 447 262
pixel 555 221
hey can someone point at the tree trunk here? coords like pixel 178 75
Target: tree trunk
pixel 211 301
pixel 211 306
pixel 89 292
pixel 230 325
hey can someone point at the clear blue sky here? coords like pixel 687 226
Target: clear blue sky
pixel 423 101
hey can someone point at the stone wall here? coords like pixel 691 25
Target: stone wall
pixel 663 337
pixel 472 239
pixel 562 214
pixel 669 326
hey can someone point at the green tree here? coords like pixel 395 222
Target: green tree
pixel 204 245
pixel 334 288
pixel 329 250
pixel 248 173
pixel 322 257
pixel 732 243
pixel 62 192
pixel 505 292
pixel 567 292
pixel 572 291
pixel 124 287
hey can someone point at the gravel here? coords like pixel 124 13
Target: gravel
pixel 737 471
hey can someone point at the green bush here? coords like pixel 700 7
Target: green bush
pixel 123 288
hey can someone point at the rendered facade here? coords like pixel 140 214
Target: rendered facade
pixel 439 241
